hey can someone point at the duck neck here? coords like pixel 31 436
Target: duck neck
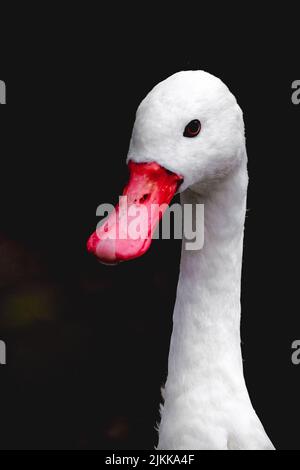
pixel 205 343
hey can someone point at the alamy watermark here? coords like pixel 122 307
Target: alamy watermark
pixel 2 353
pixel 296 92
pixel 137 221
pixel 296 353
pixel 2 92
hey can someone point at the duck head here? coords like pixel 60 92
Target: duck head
pixel 188 133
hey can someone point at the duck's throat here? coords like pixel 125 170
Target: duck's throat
pixel 205 364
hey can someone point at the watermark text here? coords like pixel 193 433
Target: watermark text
pixel 2 92
pixel 296 92
pixel 137 221
pixel 2 353
pixel 296 353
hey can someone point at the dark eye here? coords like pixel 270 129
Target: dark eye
pixel 192 129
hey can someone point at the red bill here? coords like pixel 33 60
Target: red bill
pixel 128 231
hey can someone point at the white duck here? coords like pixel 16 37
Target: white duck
pixel 206 403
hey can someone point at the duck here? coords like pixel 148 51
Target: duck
pixel 189 138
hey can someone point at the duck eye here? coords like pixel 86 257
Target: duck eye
pixel 192 129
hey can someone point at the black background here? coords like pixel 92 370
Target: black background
pixel 87 344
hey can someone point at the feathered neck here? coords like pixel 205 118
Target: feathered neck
pixel 205 362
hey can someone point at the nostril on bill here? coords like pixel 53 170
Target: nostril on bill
pixel 143 198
